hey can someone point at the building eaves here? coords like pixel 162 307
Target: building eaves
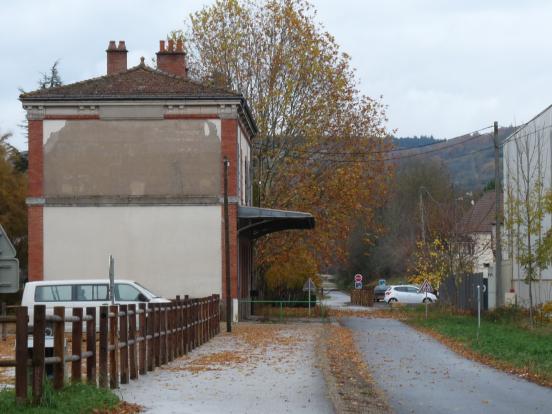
pixel 139 83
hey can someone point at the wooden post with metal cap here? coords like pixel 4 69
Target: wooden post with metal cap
pixel 498 220
pixel 227 249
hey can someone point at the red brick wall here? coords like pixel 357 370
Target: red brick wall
pixel 229 133
pixel 36 239
pixel 36 162
pixel 116 57
pixel 172 63
pixel 35 213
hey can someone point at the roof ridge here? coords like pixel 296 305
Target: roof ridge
pixel 197 83
pixel 140 66
pixel 83 82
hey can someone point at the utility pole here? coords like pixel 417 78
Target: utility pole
pixel 498 219
pixel 227 250
pixel 422 216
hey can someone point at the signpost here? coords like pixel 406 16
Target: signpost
pixel 308 287
pixel 478 310
pixel 426 287
pixel 112 279
pixel 358 281
pixel 9 265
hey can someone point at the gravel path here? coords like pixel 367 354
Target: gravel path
pixel 257 369
pixel 420 375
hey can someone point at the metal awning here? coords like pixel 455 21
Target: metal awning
pixel 255 222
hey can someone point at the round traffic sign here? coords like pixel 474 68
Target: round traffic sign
pixel 358 277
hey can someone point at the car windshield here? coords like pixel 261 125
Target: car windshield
pixel 153 295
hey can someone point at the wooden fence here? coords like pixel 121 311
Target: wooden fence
pixel 131 340
pixel 362 297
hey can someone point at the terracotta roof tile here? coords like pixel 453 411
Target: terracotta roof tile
pixel 139 82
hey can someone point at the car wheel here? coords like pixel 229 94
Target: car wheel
pixel 392 300
pixel 427 300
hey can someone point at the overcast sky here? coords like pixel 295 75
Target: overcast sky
pixel 443 67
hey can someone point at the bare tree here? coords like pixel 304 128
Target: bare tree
pixel 524 210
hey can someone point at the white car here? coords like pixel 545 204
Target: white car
pixel 83 293
pixel 408 294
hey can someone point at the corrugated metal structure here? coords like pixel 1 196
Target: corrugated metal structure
pixel 527 178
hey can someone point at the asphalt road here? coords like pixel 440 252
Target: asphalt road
pixel 420 375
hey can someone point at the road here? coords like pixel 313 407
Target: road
pixel 420 375
pixel 340 300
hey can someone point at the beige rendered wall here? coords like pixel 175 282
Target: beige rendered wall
pixel 172 250
pixel 132 158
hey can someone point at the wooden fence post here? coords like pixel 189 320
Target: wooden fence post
pixel 142 345
pixel 21 353
pixel 163 325
pixel 201 321
pixel 104 346
pixel 205 319
pixel 192 324
pixel 76 346
pixel 174 329
pixel 114 347
pixel 123 335
pixel 132 341
pixel 170 335
pixel 186 324
pixel 178 325
pixel 39 331
pixel 150 330
pixel 91 345
pixel 196 323
pixel 157 325
pixel 59 345
pixel 212 317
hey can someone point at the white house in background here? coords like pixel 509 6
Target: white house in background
pixel 527 158
pixel 477 225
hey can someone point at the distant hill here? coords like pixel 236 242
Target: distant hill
pixel 468 158
pixel 413 142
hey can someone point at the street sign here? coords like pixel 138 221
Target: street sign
pixel 7 251
pixel 9 275
pixel 358 277
pixel 9 265
pixel 358 285
pixel 426 287
pixel 309 286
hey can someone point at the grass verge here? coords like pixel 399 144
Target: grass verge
pixel 73 399
pixel 503 342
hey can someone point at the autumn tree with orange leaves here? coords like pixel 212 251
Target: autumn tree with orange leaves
pixel 13 190
pixel 321 144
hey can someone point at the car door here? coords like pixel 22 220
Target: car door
pixel 127 294
pixel 413 295
pixel 401 294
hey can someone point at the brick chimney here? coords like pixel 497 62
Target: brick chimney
pixel 116 57
pixel 172 59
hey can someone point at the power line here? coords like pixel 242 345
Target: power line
pixel 361 160
pixel 310 154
